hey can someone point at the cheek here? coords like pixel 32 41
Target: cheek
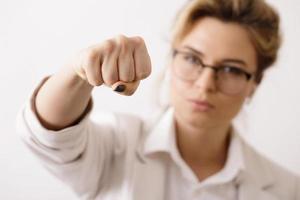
pixel 230 106
pixel 177 91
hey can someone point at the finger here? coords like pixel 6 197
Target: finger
pixel 93 72
pixel 91 66
pixel 109 64
pixel 125 88
pixel 125 60
pixel 141 59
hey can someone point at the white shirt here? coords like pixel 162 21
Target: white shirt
pixel 181 182
pixel 121 157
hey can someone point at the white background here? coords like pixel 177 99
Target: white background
pixel 37 37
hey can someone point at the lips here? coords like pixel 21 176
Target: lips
pixel 203 106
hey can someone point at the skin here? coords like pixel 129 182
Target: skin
pixel 203 136
pixel 63 98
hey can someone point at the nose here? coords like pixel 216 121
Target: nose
pixel 206 80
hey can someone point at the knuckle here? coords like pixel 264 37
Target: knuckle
pixel 140 43
pixel 91 55
pixel 108 46
pixel 131 77
pixel 141 76
pixel 91 81
pixel 139 40
pixel 123 42
pixel 121 38
pixel 110 79
pixel 98 82
pixel 97 79
pixel 145 73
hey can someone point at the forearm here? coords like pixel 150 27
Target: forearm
pixel 62 100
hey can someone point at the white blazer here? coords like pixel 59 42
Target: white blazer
pixel 105 159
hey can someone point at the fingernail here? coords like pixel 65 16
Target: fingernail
pixel 120 88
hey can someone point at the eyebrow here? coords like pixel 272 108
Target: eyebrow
pixel 227 60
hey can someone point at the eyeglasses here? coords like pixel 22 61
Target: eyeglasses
pixel 230 80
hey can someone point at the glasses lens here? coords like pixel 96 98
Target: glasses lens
pixel 186 66
pixel 231 81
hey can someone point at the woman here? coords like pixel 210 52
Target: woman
pixel 220 50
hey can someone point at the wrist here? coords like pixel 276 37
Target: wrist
pixel 77 78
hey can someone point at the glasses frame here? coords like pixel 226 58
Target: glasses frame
pixel 215 68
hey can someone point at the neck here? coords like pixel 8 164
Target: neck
pixel 203 146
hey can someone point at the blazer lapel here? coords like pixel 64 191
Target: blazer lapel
pixel 248 191
pixel 150 172
pixel 256 179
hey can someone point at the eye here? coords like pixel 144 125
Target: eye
pixel 233 71
pixel 192 59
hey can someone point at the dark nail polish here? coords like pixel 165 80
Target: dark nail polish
pixel 120 88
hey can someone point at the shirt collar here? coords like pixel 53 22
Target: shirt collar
pixel 162 139
pixel 234 164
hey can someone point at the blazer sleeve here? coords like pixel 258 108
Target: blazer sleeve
pixel 79 155
pixel 297 188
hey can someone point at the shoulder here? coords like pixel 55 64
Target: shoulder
pixel 252 154
pixel 281 180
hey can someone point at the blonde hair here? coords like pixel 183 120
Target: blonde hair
pixel 258 17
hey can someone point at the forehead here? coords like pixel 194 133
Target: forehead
pixel 219 40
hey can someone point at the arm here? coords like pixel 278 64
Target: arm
pixel 62 100
pixel 54 125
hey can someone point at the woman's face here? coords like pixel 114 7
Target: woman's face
pixel 216 43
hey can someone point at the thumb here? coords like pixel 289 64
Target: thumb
pixel 125 88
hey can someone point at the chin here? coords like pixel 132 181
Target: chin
pixel 199 119
pixel 194 118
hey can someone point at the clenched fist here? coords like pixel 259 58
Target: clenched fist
pixel 119 63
